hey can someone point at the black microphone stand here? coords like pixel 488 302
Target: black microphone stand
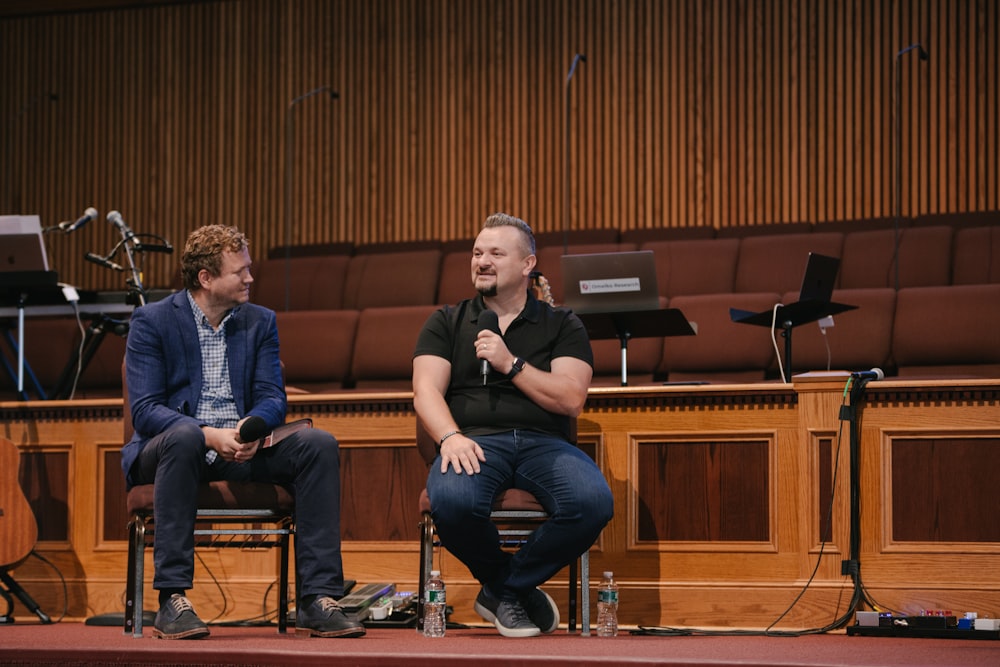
pixel 897 152
pixel 569 77
pixel 289 157
pixel 104 324
pixel 852 414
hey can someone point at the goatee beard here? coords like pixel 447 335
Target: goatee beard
pixel 490 291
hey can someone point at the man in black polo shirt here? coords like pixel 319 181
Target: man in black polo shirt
pixel 509 428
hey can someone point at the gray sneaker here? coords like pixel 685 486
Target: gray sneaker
pixel 510 618
pixel 512 621
pixel 542 610
pixel 176 620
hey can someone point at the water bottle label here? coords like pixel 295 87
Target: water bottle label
pixel 435 597
pixel 610 597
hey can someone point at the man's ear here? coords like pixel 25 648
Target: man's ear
pixel 529 264
pixel 204 278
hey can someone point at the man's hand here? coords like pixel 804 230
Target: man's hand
pixel 491 347
pixel 462 453
pixel 226 442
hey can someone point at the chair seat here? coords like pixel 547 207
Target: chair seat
pixel 511 500
pixel 223 495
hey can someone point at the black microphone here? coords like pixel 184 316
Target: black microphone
pixel 920 51
pixel 254 428
pixel 115 218
pixel 165 248
pixel 572 68
pixel 873 374
pixel 73 225
pixel 488 321
pixel 103 261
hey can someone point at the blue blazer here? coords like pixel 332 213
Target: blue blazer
pixel 163 368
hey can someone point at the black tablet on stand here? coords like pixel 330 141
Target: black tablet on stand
pixel 814 304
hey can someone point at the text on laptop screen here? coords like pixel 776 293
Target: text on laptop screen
pixel 610 282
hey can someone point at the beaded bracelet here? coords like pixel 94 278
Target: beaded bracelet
pixel 446 436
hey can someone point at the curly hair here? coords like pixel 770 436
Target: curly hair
pixel 507 220
pixel 204 248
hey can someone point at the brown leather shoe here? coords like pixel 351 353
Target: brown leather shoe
pixel 176 620
pixel 325 618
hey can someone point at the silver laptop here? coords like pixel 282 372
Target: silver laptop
pixel 610 282
pixel 21 245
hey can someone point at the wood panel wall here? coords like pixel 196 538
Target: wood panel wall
pixel 723 497
pixel 685 113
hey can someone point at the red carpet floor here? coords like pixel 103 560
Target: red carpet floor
pixel 73 644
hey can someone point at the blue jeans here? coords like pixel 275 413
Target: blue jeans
pixel 566 482
pixel 308 462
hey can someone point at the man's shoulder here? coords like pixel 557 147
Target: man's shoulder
pixel 256 311
pixel 162 307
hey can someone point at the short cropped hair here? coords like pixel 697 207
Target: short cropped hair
pixel 506 220
pixel 204 248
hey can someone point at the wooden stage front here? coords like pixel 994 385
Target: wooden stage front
pixel 77 645
pixel 732 503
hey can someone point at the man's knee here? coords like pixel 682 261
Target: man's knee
pixel 183 440
pixel 318 443
pixel 452 498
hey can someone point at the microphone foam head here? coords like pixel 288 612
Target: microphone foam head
pixel 254 428
pixel 91 212
pixel 488 320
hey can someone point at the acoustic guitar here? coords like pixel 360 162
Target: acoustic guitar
pixel 18 529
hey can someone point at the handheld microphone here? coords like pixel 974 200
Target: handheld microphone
pixel 115 218
pixel 488 321
pixel 254 428
pixel 103 261
pixel 73 225
pixel 873 374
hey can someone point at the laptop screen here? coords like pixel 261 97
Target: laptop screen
pixel 21 245
pixel 610 282
pixel 819 278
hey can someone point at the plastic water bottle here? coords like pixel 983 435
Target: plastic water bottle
pixel 434 606
pixel 607 607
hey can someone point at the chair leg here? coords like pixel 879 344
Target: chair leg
pixel 283 584
pixel 134 576
pixel 585 593
pixel 571 614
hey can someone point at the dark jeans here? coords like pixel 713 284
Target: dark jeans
pixel 565 481
pixel 307 461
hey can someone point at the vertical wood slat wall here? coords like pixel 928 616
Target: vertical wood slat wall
pixel 685 113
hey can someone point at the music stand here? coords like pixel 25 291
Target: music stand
pixel 628 324
pixel 787 318
pixel 17 289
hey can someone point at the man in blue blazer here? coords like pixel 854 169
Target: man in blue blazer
pixel 199 363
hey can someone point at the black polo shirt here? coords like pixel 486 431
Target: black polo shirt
pixel 538 335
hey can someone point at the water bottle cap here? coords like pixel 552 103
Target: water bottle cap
pixel 435 573
pixel 608 575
